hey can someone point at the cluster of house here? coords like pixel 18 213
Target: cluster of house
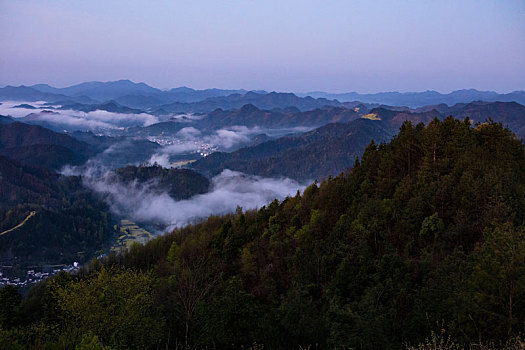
pixel 33 276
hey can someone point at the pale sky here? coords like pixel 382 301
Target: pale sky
pixel 282 45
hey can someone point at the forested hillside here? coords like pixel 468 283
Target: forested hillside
pixel 424 233
pixel 66 224
pixel 35 145
pixel 178 183
pixel 313 155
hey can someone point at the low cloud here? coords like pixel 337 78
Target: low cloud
pixel 228 138
pixel 71 122
pixel 188 133
pixel 228 190
pixel 191 140
pixel 77 120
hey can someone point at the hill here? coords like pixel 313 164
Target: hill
pixel 424 233
pixel 134 95
pixel 178 183
pixel 6 120
pixel 419 99
pixel 24 93
pixel 251 116
pixel 317 154
pixel 510 114
pixel 35 145
pixel 260 100
pixel 109 106
pixel 100 91
pixel 68 224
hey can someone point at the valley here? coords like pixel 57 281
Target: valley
pixel 88 184
pixel 262 175
pixel 127 156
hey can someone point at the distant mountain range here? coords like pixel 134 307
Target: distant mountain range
pixel 183 99
pixel 332 148
pixel 30 153
pixel 418 99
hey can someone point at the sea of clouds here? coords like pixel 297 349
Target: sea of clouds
pixel 76 120
pixel 141 203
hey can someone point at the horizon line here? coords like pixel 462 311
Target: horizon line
pixel 3 85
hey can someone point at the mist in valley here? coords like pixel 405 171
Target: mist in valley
pixel 145 204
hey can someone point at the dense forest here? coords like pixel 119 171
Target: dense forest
pixel 305 157
pixel 36 145
pixel 57 219
pixel 425 235
pixel 178 183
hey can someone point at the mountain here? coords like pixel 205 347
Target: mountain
pixel 419 99
pixel 185 94
pixel 141 101
pixel 24 93
pixel 317 154
pixel 178 183
pixel 25 106
pixel 123 151
pixel 109 106
pixel 184 99
pixel 35 145
pixel 394 118
pixel 510 114
pixel 263 101
pixel 134 95
pixel 100 91
pixel 45 155
pixel 6 120
pixel 425 231
pixel 167 128
pixel 249 115
pixel 46 218
pixel 19 134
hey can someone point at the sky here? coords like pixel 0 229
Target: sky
pixel 275 45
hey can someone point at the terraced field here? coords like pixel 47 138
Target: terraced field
pixel 129 233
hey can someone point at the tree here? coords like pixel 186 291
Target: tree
pixel 116 306
pixel 10 300
pixel 496 286
pixel 193 277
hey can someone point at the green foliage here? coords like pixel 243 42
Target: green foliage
pixel 90 342
pixel 494 290
pixel 69 224
pixel 179 183
pixel 425 230
pixel 116 306
pixel 10 300
pixel 432 227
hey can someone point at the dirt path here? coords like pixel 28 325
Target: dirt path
pixel 20 224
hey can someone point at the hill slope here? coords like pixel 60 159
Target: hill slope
pixel 178 183
pixel 36 145
pixel 68 224
pixel 426 231
pixel 319 153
